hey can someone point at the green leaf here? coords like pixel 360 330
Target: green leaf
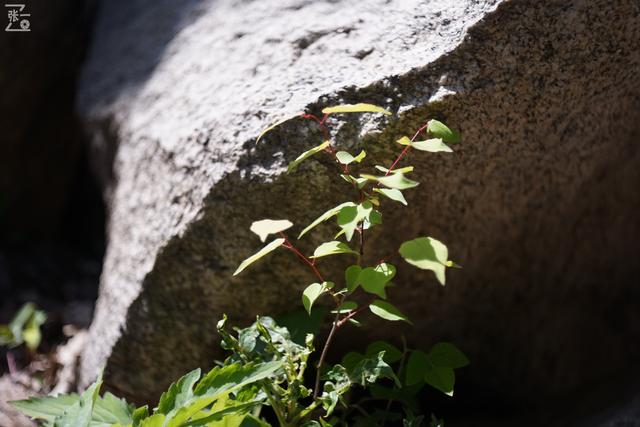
pixel 387 311
pixel 178 393
pixel 374 218
pixel 370 369
pixel 251 421
pixel 140 414
pixel 20 320
pixel 156 420
pixel 434 145
pixel 395 180
pixel 428 254
pixel 312 292
pixel 23 328
pixel 300 324
pixel 332 248
pixel 440 130
pixel 325 216
pixel 374 280
pixel 218 414
pixel 393 194
pixel 273 126
pixel 80 413
pixel 447 355
pixel 346 158
pixel 107 410
pixel 405 169
pixel 31 333
pixel 435 422
pixel 269 226
pixel 351 277
pixel 349 217
pixel 45 408
pixel 218 382
pixel 6 336
pixel 358 182
pixel 416 367
pixel 355 108
pixel 302 157
pixel 262 252
pixel 404 141
pixel 345 307
pixel 391 353
pixel 441 378
pixel 420 367
pixel 351 359
pixel 413 421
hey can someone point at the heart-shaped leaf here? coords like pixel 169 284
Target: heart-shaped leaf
pixel 428 254
pixel 351 277
pixel 269 226
pixel 312 292
pixel 374 280
pixel 346 158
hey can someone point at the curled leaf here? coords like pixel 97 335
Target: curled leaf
pixel 302 157
pixel 273 126
pixel 440 130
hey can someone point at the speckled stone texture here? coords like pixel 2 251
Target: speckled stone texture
pixel 539 203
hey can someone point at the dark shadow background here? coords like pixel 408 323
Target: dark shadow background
pixel 52 216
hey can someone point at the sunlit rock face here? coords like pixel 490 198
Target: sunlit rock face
pixel 539 202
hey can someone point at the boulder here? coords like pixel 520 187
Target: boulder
pixel 539 202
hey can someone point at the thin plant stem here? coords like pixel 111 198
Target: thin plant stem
pixel 325 349
pixel 288 245
pixel 406 149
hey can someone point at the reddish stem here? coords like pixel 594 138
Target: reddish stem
pixel 11 364
pixel 351 315
pixel 406 149
pixel 326 136
pixel 311 263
